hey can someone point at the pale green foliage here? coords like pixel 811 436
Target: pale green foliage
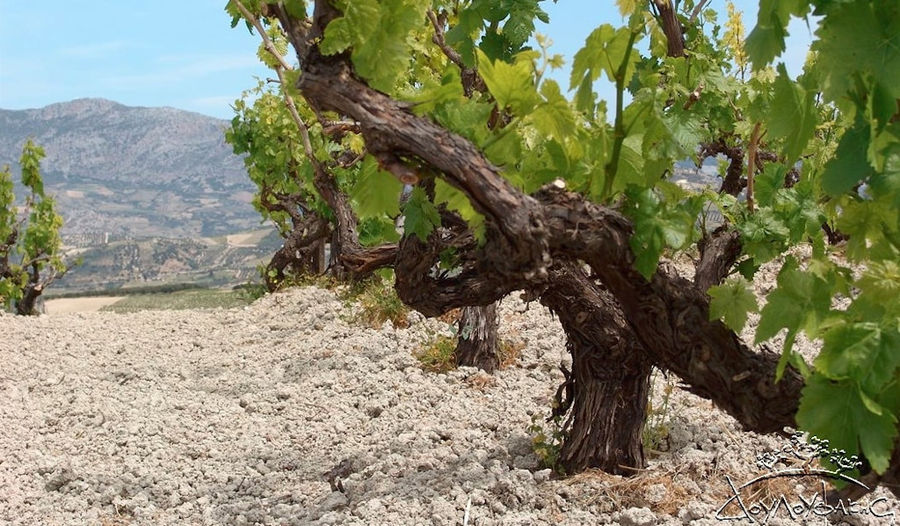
pixel 547 440
pixel 376 31
pixel 30 246
pixel 421 215
pixel 731 302
pixel 379 191
pixel 378 303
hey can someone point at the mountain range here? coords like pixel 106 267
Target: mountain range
pixel 147 194
pixel 134 171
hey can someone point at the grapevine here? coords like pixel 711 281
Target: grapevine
pixel 521 184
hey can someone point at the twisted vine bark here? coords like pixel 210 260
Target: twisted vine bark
pixel 303 251
pixel 349 258
pixel 606 393
pixel 478 343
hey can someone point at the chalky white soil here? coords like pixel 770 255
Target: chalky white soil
pixel 242 416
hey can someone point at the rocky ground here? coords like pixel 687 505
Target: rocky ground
pixel 288 412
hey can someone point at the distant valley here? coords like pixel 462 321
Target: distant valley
pixel 149 195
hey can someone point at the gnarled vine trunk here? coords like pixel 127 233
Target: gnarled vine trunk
pixel 478 343
pixel 605 395
pixel 300 251
pixel 33 290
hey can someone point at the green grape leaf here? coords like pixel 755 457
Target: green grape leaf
pixel 787 355
pixel 766 41
pixel 505 149
pixel 850 163
pixel 685 130
pixel 763 235
pixel 862 351
pixel 8 211
pixel 432 94
pixel 604 51
pixel 730 302
pixel 839 412
pixel 461 36
pixel 376 230
pixel 295 8
pixel 360 20
pixel 585 98
pixel 30 164
pixel 880 284
pixel 798 209
pixel 800 302
pixel 495 47
pixel 553 117
pixel 520 24
pixel 512 85
pixel 792 115
pixel 657 224
pixel 376 32
pixel 456 200
pixel 626 7
pixel 889 398
pixel 859 38
pixel 631 166
pixel 376 193
pixel 768 183
pixel 420 215
pixel 467 118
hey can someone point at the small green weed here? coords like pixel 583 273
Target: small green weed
pixel 509 352
pixel 378 303
pixel 250 291
pixel 438 355
pixel 546 441
pixel 656 422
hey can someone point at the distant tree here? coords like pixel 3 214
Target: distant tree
pixel 30 242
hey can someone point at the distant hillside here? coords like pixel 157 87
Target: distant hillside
pixel 210 261
pixel 133 171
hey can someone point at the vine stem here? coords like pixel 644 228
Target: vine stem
pixel 619 126
pixel 270 47
pixel 288 100
pixel 751 163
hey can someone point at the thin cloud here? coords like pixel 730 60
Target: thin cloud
pixel 94 51
pixel 193 69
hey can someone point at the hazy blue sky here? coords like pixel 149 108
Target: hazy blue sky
pixel 184 53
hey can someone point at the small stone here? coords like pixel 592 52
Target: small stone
pixel 542 475
pixel 656 493
pixel 334 501
pixel 693 511
pixel 637 517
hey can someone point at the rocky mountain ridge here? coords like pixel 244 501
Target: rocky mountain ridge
pixel 149 195
pixel 135 171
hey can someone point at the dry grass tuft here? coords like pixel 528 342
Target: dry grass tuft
pixel 509 352
pixel 438 355
pixel 451 317
pixel 616 493
pixel 481 381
